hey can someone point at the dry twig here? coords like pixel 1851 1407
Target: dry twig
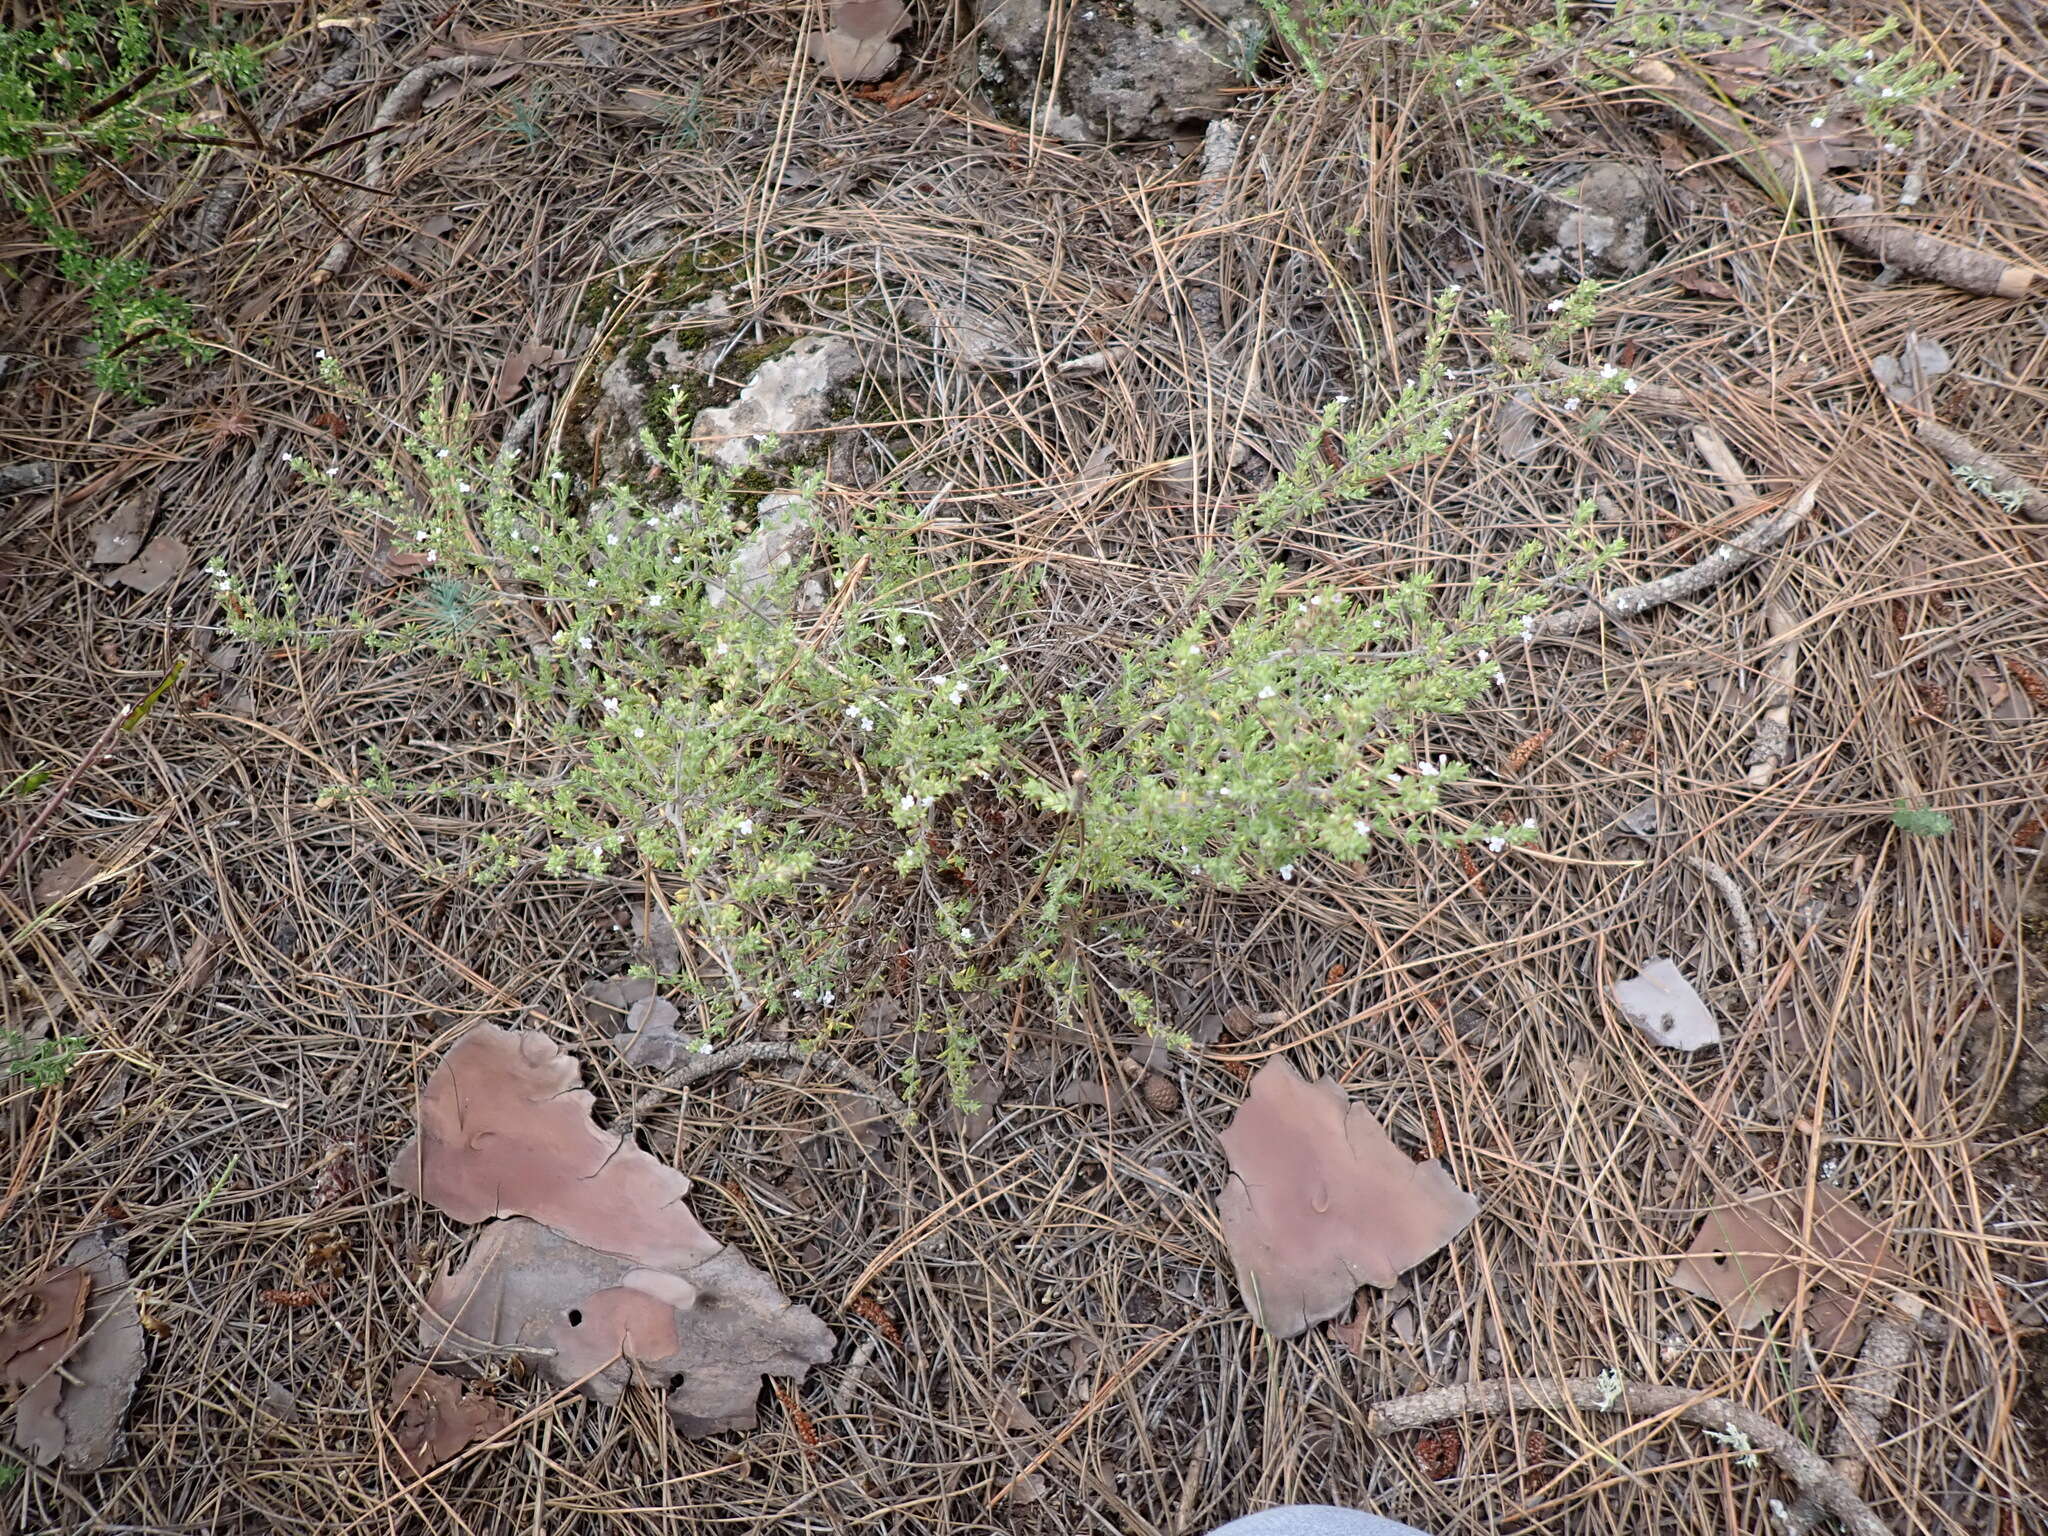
pixel 403 101
pixel 695 1068
pixel 1788 181
pixel 2028 499
pixel 1828 1489
pixel 1738 554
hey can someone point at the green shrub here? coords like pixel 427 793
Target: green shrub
pixel 40 1063
pixel 836 713
pixel 97 84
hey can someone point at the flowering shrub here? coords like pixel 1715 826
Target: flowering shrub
pixel 766 702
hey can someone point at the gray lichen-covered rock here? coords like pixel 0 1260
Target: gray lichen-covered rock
pixel 791 392
pixel 1601 221
pixel 1127 69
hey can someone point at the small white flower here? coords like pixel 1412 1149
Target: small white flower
pixel 1194 650
pixel 639 733
pixel 561 474
pixel 966 935
pixel 1529 822
pixel 1266 692
pixel 420 534
pixel 1427 769
pixel 896 640
pixel 853 711
pixel 746 827
pixel 1362 828
pixel 959 693
pixel 1556 305
pixel 1572 404
pixel 721 649
pixel 224 586
pixel 1887 91
pixel 590 581
pixel 939 681
pixel 1496 844
pixel 1002 667
pixel 611 706
pixel 561 637
pixel 433 555
pixel 1608 370
pixel 800 994
pixel 654 599
pixel 1316 601
pixel 1818 122
pixel 319 354
pixel 333 470
pixel 440 453
pixel 907 803
pixel 828 997
pixel 1226 791
pixel 612 539
pixel 534 547
pixel 1528 624
pixel 702 1047
pixel 1630 385
pixel 1500 678
pixel 866 724
pixel 464 486
pixel 1286 871
pixel 584 642
pixel 924 800
pixel 1484 654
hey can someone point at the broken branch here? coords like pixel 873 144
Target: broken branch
pixel 404 101
pixel 1828 1489
pixel 1739 553
pixel 694 1069
pixel 2007 484
pixel 1869 1398
pixel 1789 183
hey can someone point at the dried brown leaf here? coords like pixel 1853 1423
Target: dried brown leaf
pixel 505 1129
pixel 857 45
pixel 115 541
pixel 649 1038
pixel 1907 375
pixel 1663 1005
pixel 598 1320
pixel 38 1330
pixel 435 1417
pixel 1321 1201
pixel 162 561
pixel 517 365
pixel 62 878
pixel 100 1375
pixel 1756 1257
pixel 1826 144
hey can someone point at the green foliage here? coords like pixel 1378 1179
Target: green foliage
pixel 10 1474
pixel 745 724
pixel 1920 822
pixel 98 84
pixel 41 1063
pixel 27 782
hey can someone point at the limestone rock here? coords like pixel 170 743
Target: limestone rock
pixel 1127 69
pixel 1600 222
pixel 790 393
